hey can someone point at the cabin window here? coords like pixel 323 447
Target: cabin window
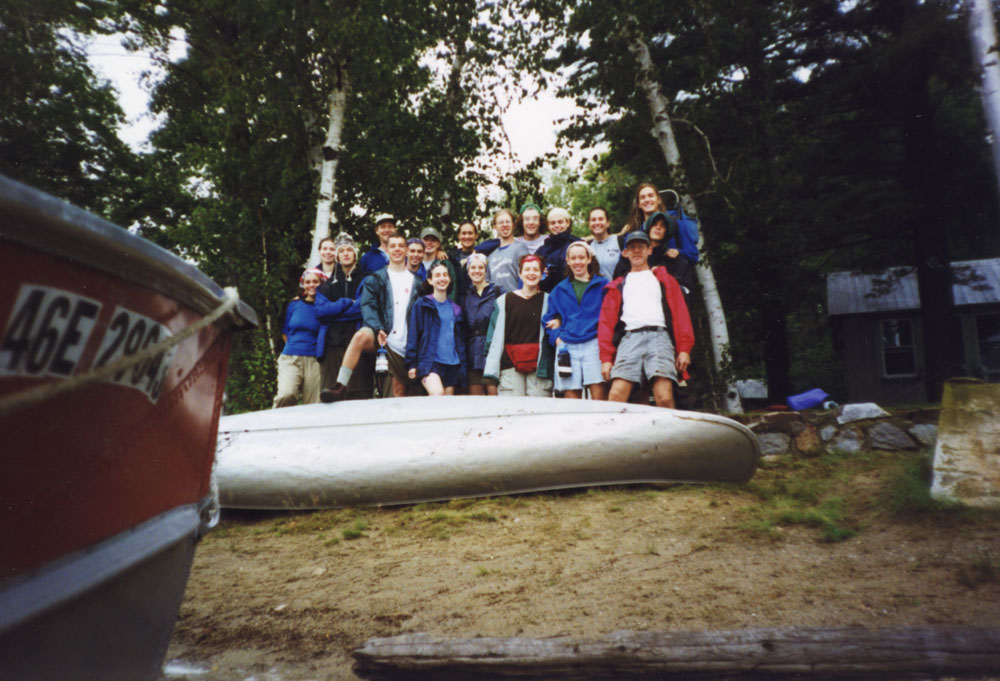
pixel 988 333
pixel 899 355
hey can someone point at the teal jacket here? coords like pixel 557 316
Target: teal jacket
pixel 495 341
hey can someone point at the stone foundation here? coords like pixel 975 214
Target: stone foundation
pixel 851 428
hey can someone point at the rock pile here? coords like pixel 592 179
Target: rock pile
pixel 850 428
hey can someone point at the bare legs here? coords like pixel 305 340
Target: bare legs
pixel 663 391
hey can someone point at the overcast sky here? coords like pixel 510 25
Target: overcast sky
pixel 530 124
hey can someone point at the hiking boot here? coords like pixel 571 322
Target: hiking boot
pixel 335 394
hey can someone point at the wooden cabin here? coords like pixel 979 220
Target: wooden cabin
pixel 877 327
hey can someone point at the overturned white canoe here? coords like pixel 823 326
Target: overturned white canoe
pixel 415 449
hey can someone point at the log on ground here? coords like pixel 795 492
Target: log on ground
pixel 747 653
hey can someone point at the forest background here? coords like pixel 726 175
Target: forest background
pixel 814 136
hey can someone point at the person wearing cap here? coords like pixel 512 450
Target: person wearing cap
pixel 607 248
pixel 531 227
pixel 378 256
pixel 304 335
pixel 434 253
pixel 644 332
pixel 571 325
pixel 386 298
pixel 517 356
pixel 553 252
pixel 338 305
pixel 502 267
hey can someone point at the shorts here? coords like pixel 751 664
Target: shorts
pixel 450 374
pixel 585 361
pixel 475 377
pixel 513 382
pixel 400 374
pixel 645 353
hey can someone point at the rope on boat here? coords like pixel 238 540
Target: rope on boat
pixel 25 398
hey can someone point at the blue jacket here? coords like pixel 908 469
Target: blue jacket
pixel 477 310
pixel 306 336
pixel 422 330
pixel 374 260
pixel 578 320
pixel 553 254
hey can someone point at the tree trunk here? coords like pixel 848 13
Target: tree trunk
pixel 984 47
pixel 328 168
pixel 746 654
pixel 663 131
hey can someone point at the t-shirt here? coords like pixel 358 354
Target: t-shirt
pixel 446 352
pixel 579 287
pixel 402 286
pixel 502 266
pixel 608 254
pixel 522 323
pixel 642 301
pixel 533 245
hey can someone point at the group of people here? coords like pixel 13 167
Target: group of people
pixel 531 311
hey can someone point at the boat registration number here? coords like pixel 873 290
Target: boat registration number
pixel 49 328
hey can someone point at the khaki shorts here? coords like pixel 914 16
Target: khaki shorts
pixel 513 382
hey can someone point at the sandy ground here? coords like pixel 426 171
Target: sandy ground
pixel 288 596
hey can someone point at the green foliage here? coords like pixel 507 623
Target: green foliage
pixel 355 531
pixel 252 374
pixel 58 122
pixel 580 190
pixel 816 136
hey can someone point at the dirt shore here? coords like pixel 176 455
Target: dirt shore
pixel 288 596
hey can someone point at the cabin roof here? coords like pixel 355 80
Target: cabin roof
pixel 977 282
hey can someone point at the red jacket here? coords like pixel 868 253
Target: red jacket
pixel 673 305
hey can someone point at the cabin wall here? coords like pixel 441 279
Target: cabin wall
pixel 864 371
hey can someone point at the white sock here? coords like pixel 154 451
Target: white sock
pixel 344 375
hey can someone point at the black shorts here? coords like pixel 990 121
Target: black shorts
pixel 450 374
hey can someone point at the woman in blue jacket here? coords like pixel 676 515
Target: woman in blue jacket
pixel 571 324
pixel 477 303
pixel 435 344
pixel 298 365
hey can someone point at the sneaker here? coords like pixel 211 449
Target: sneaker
pixel 335 394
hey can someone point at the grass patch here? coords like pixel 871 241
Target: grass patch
pixel 823 493
pixel 355 531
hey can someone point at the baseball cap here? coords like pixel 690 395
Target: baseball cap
pixel 636 236
pixel 430 231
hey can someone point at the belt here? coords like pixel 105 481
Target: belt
pixel 647 328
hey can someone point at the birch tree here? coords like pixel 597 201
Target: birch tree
pixel 986 52
pixel 663 131
pixel 329 156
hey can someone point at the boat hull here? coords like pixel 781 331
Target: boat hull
pixel 409 450
pixel 107 484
